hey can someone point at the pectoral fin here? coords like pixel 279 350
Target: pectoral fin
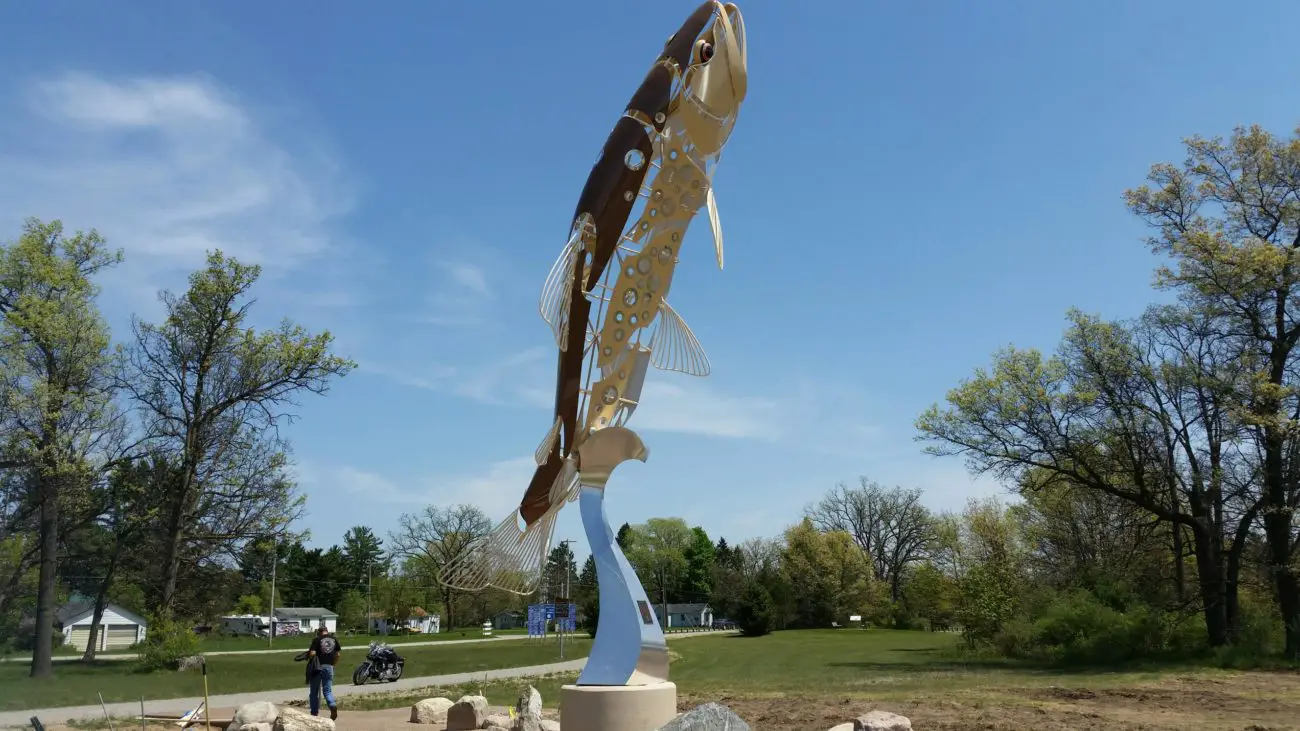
pixel 548 442
pixel 674 347
pixel 557 290
pixel 714 223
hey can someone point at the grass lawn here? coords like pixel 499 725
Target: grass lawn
pixel 76 684
pixel 792 681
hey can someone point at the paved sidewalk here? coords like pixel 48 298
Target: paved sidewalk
pixel 177 706
pixel 283 649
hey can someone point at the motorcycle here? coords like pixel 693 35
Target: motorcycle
pixel 382 663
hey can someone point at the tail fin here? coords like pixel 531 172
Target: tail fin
pixel 507 558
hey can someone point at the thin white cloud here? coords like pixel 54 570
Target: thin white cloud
pixel 166 167
pixel 693 408
pixel 470 277
pixel 462 297
pixel 496 490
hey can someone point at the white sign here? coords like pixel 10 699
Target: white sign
pixel 855 618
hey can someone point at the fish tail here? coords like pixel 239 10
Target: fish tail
pixel 508 558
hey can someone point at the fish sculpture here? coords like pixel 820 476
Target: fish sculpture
pixel 605 297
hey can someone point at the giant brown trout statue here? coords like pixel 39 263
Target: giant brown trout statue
pixel 605 301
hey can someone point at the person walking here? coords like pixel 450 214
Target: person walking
pixel 322 656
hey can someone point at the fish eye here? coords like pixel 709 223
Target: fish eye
pixel 703 51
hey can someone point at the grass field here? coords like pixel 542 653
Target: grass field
pixel 76 684
pixel 792 681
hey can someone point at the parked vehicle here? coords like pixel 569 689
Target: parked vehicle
pixel 382 664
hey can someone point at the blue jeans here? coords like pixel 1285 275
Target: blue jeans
pixel 322 681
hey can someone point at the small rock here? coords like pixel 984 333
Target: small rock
pixel 258 726
pixel 844 727
pixel 292 719
pixel 431 711
pixel 497 719
pixel 496 728
pixel 467 714
pixel 189 663
pixel 882 721
pixel 528 711
pixel 549 725
pixel 708 717
pixel 255 712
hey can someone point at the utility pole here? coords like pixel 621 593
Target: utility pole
pixel 369 585
pixel 275 559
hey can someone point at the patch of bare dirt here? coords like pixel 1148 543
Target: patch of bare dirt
pixel 1245 702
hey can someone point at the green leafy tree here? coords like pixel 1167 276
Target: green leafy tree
pixel 589 595
pixel 701 559
pixel 930 595
pixel 352 610
pixel 212 390
pixel 755 613
pixel 1228 220
pixel 57 384
pixel 363 554
pixel 559 575
pixel 657 550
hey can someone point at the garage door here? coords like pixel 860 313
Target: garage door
pixel 120 635
pixel 80 636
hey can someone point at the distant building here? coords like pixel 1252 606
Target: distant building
pixel 306 618
pixel 509 620
pixel 419 621
pixel 685 615
pixel 118 628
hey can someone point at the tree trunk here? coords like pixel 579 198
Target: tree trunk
pixel 101 603
pixel 43 652
pixel 1209 568
pixel 172 554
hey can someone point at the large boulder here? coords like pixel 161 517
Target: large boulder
pixel 708 717
pixel 255 712
pixel 882 721
pixel 528 711
pixel 431 711
pixel 467 714
pixel 293 719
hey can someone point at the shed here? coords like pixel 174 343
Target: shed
pixel 685 615
pixel 509 619
pixel 309 618
pixel 119 628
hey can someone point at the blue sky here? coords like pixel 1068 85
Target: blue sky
pixel 909 187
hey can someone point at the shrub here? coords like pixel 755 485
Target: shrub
pixel 755 611
pixel 165 644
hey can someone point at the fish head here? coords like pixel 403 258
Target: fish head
pixel 715 78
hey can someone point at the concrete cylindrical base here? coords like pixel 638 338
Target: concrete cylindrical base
pixel 617 707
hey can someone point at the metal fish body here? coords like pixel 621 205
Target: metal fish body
pixel 604 298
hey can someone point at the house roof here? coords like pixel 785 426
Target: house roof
pixel 75 611
pixel 305 613
pixel 685 608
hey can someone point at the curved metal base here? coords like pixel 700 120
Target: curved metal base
pixel 629 648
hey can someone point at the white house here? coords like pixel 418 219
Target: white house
pixel 419 621
pixel 119 629
pixel 308 618
pixel 685 615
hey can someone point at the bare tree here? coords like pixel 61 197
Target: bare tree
pixel 436 537
pixel 892 526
